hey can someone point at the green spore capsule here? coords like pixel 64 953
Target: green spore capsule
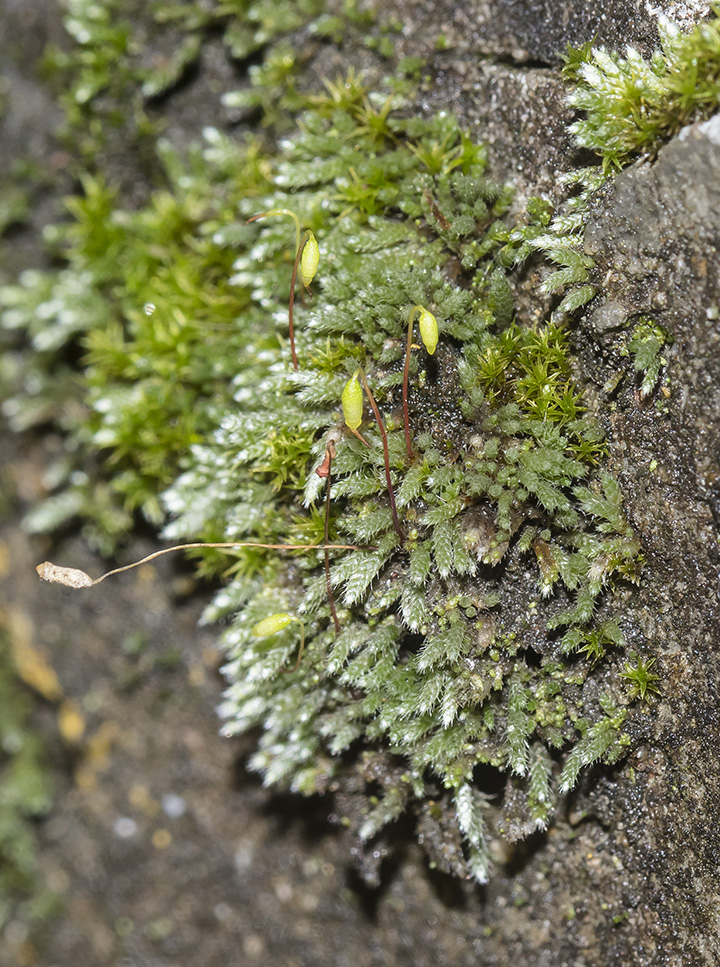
pixel 352 403
pixel 428 330
pixel 310 259
pixel 273 624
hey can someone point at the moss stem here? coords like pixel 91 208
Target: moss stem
pixel 280 211
pixel 301 649
pixel 406 375
pixel 291 304
pixel 329 454
pixel 299 246
pixel 74 578
pixel 386 454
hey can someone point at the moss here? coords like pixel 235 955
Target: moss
pixel 129 54
pixel 632 104
pixel 189 410
pixel 641 682
pixel 645 345
pixel 628 108
pixel 183 371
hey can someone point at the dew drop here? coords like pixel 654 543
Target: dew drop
pixel 149 308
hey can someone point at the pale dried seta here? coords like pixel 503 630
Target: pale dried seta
pixel 71 577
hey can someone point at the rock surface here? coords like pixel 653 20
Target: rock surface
pixel 659 237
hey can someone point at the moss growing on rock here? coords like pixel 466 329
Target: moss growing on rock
pixel 188 367
pixel 633 104
pixel 476 638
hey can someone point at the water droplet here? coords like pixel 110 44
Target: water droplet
pixel 149 308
